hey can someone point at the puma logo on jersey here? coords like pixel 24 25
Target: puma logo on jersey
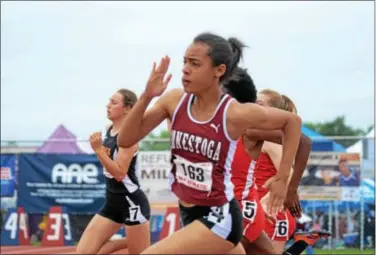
pixel 215 127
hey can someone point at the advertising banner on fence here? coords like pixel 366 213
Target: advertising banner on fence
pixel 331 176
pixel 8 173
pixel 153 170
pixel 75 182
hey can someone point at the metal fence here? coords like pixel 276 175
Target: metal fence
pixel 351 227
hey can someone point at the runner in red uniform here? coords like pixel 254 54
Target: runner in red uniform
pixel 205 128
pixel 243 168
pixel 282 228
pixel 242 88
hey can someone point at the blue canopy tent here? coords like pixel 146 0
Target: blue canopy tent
pixel 322 144
pixel 368 190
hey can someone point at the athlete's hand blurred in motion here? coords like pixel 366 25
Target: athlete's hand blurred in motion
pixel 264 204
pixel 277 188
pixel 96 141
pixel 292 203
pixel 158 81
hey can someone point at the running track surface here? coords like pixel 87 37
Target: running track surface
pixel 41 250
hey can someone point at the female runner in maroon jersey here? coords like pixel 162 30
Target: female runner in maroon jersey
pixel 205 125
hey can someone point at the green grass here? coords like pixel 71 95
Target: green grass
pixel 344 251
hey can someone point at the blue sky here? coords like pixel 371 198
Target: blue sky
pixel 61 61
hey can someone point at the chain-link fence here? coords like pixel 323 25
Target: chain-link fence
pixel 349 214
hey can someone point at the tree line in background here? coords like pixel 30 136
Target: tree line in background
pixel 336 127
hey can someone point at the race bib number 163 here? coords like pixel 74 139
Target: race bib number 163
pixel 194 175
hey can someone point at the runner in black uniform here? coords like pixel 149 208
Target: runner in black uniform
pixel 125 202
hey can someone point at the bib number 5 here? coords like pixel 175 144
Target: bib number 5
pixel 249 210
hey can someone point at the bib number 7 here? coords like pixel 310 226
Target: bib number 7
pixel 134 212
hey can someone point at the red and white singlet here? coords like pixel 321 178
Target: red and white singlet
pixel 201 155
pixel 285 225
pixel 246 192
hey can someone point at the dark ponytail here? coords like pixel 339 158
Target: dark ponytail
pixel 222 51
pixel 240 86
pixel 237 51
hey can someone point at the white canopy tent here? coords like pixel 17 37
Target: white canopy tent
pixel 358 146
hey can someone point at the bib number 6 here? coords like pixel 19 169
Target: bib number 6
pixel 282 228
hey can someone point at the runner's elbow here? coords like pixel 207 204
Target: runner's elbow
pixel 306 141
pixel 124 141
pixel 293 121
pixel 296 119
pixel 120 175
pixel 119 178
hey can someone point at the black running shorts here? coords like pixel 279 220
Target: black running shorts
pixel 129 209
pixel 225 221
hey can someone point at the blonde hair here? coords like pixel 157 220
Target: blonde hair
pixel 279 101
